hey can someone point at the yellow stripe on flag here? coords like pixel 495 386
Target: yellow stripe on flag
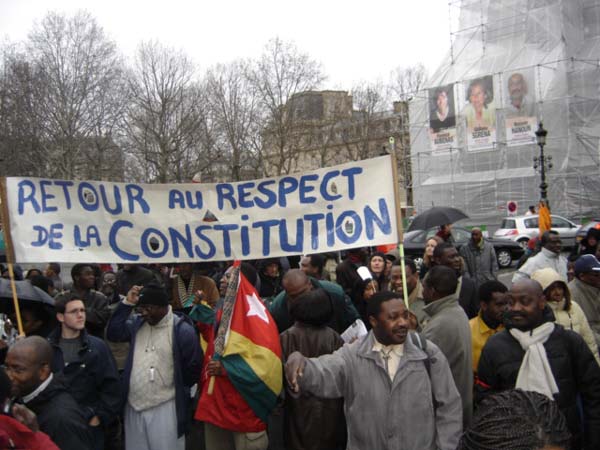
pixel 265 364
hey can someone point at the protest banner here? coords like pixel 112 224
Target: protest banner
pixel 330 209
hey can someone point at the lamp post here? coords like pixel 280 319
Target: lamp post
pixel 543 163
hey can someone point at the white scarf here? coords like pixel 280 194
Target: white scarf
pixel 535 373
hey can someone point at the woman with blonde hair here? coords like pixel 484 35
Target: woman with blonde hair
pixel 430 245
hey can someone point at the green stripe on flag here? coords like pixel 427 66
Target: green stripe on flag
pixel 203 313
pixel 265 364
pixel 255 392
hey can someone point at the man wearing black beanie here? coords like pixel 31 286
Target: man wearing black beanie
pixel 164 361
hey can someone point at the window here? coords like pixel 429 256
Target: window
pixel 461 236
pixel 508 223
pixel 560 223
pixel 531 223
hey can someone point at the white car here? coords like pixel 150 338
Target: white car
pixel 522 228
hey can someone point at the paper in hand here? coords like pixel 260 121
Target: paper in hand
pixel 354 331
pixel 364 273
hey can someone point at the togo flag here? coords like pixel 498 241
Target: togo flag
pixel 252 352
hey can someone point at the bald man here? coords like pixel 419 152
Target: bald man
pixel 28 367
pixel 295 283
pixel 535 354
pixel 520 103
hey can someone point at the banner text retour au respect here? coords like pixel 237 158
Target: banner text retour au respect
pixel 329 209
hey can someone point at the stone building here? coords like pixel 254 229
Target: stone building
pixel 321 128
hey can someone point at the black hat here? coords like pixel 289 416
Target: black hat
pixel 153 294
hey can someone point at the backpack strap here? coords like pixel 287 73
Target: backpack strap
pixel 421 342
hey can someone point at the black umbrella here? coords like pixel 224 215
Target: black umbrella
pixel 436 216
pixel 26 293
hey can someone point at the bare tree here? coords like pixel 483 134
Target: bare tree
pixel 20 149
pixel 75 67
pixel 281 72
pixel 369 102
pixel 405 82
pixel 165 115
pixel 234 105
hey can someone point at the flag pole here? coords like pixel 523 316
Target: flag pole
pixel 399 225
pixel 228 305
pixel 10 256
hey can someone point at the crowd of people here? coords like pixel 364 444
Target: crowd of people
pixel 123 356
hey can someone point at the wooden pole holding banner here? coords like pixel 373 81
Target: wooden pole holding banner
pixel 399 225
pixel 10 256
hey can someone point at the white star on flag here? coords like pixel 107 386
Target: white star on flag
pixel 256 308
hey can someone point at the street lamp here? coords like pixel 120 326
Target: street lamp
pixel 543 163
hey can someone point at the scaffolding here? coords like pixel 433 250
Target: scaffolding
pixel 555 45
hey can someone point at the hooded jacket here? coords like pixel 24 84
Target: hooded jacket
pixel 566 312
pixel 588 297
pixel 447 326
pixel 60 417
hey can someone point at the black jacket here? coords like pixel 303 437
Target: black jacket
pixel 60 418
pixel 574 368
pixel 93 379
pixel 468 298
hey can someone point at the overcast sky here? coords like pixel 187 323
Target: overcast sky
pixel 354 40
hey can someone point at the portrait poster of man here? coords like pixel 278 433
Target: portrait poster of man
pixel 442 117
pixel 519 107
pixel 480 113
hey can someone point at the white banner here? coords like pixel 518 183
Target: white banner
pixel 346 206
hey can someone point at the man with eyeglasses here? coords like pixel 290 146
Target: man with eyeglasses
pixel 549 256
pixel 87 364
pixel 585 291
pixel 164 361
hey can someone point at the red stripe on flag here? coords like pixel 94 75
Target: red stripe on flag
pixel 251 318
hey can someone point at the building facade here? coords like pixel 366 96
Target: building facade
pixel 322 128
pixel 511 65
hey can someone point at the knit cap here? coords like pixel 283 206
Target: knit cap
pixel 153 294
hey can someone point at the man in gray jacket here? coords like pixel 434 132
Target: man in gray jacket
pixel 549 256
pixel 480 258
pixel 447 326
pixel 397 394
pixel 585 290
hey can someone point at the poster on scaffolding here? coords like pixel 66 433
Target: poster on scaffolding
pixel 519 107
pixel 480 113
pixel 442 119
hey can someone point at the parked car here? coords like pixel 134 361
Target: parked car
pixel 522 228
pixel 414 245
